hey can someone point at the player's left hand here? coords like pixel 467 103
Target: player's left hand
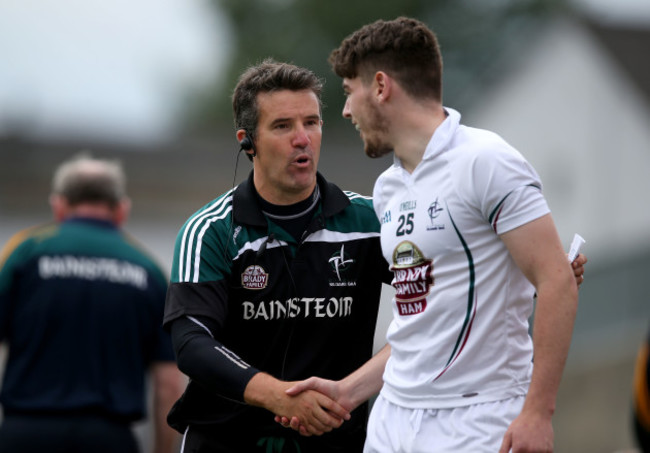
pixel 578 266
pixel 528 434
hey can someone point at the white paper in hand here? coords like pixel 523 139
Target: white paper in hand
pixel 576 245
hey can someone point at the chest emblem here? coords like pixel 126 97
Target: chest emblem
pixel 434 211
pixel 341 262
pixel 254 277
pixel 412 278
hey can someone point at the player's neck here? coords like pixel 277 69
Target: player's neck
pixel 415 134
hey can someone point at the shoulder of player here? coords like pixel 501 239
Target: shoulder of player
pixel 137 253
pixel 358 200
pixel 359 215
pixel 362 204
pixel 481 143
pixel 215 214
pixel 26 239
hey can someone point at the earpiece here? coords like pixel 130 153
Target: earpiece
pixel 246 143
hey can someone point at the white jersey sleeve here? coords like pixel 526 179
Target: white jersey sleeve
pixel 500 182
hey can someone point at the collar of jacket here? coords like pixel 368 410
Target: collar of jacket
pixel 246 210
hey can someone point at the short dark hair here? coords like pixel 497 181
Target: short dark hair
pixel 267 77
pixel 404 48
pixel 84 179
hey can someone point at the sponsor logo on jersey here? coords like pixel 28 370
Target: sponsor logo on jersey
pixel 236 233
pixel 341 263
pixel 298 307
pixel 254 277
pixel 385 218
pixel 412 278
pixel 94 269
pixel 434 211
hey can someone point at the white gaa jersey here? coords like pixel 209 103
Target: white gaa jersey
pixel 459 334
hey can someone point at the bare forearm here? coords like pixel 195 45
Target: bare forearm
pixel 166 439
pixel 367 380
pixel 168 387
pixel 349 392
pixel 263 391
pixel 554 319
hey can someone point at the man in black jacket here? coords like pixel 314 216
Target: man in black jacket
pixel 274 281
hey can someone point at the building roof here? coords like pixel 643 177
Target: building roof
pixel 629 47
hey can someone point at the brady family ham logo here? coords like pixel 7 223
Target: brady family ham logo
pixel 412 278
pixel 254 277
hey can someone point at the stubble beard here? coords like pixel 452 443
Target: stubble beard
pixel 376 149
pixel 374 146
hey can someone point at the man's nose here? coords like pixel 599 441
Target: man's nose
pixel 346 110
pixel 300 139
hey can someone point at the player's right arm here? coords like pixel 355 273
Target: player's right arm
pixel 349 392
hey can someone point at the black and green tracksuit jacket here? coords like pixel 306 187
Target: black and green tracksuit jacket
pixel 265 302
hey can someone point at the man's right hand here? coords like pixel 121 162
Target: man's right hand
pixel 331 389
pixel 315 412
pixel 349 392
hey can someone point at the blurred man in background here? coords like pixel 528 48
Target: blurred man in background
pixel 81 308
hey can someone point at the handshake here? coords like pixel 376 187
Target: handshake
pixel 316 406
pixel 324 405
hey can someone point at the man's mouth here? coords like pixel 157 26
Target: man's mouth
pixel 302 160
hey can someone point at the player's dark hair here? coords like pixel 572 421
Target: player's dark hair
pixel 266 77
pixel 404 48
pixel 84 179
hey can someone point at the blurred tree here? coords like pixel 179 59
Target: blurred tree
pixel 473 34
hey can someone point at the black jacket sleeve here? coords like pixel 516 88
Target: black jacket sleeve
pixel 206 360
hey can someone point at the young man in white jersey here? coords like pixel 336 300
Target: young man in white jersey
pixel 469 235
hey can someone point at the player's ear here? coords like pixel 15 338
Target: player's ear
pixel 383 85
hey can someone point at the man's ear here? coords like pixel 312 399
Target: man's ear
pixel 122 211
pixel 240 134
pixel 383 85
pixel 246 142
pixel 60 207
